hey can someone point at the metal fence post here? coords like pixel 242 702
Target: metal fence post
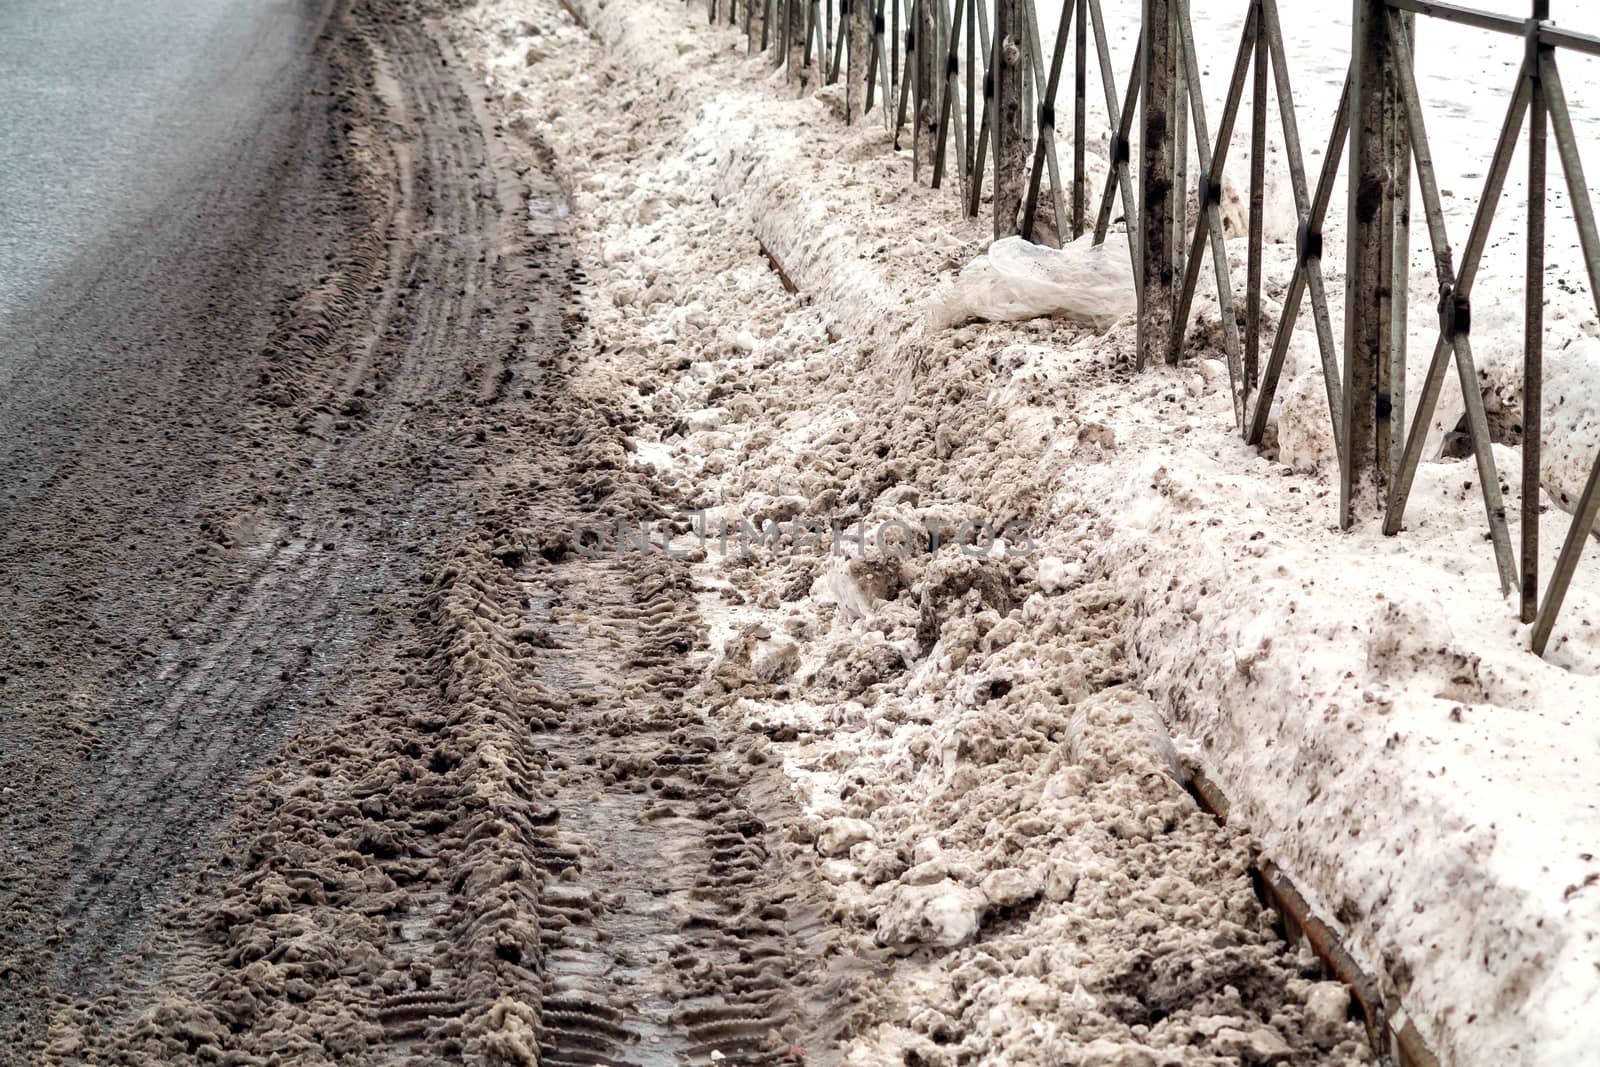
pixel 780 33
pixel 1026 17
pixel 1080 103
pixel 974 65
pixel 1533 333
pixel 893 31
pixel 1389 442
pixel 1251 365
pixel 858 15
pixel 799 75
pixel 1369 286
pixel 1010 142
pixel 925 26
pixel 1158 62
pixel 1178 127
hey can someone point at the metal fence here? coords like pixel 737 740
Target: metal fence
pixel 967 81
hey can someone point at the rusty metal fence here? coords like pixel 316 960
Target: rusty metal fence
pixel 968 83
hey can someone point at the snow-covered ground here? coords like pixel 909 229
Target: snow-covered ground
pixel 1466 78
pixel 1368 703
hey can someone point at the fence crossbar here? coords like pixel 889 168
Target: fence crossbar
pixel 1307 276
pixel 904 89
pixel 878 66
pixel 1210 224
pixel 1555 37
pixel 1546 35
pixel 1472 397
pixel 986 131
pixel 948 79
pixel 1477 238
pixel 1044 151
pixel 1121 177
pixel 1464 16
pixel 952 82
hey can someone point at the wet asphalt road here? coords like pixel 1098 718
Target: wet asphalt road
pixel 108 107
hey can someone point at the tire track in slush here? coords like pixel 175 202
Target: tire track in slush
pixel 669 931
pixel 528 838
pixel 207 715
pixel 639 817
pixel 665 930
pixel 614 878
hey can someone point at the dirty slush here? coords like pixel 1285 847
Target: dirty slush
pixel 327 741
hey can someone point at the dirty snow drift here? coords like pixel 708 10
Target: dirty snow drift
pixel 1368 703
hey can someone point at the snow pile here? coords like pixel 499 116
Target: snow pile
pixel 964 715
pixel 1571 413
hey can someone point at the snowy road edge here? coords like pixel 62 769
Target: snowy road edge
pixel 833 266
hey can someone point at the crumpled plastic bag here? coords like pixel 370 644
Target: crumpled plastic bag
pixel 1016 280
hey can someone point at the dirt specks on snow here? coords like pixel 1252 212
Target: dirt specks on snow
pixel 1342 733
